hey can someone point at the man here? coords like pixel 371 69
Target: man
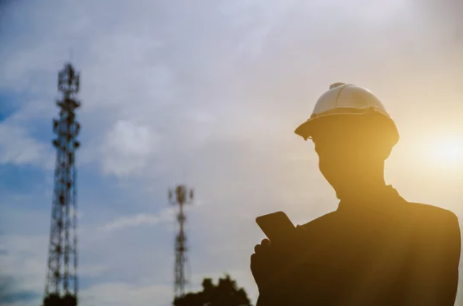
pixel 376 249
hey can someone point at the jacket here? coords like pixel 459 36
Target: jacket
pixel 391 252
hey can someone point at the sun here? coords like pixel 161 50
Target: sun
pixel 448 151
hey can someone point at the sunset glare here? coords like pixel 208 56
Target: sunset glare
pixel 448 151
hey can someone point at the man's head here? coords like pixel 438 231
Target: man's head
pixel 353 136
pixel 351 154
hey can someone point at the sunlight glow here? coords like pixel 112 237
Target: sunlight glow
pixel 448 151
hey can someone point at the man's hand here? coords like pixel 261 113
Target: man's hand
pixel 273 266
pixel 262 263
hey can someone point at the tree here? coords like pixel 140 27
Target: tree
pixel 56 300
pixel 225 293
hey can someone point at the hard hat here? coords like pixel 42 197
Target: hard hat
pixel 347 101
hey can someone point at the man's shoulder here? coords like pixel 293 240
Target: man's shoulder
pixel 432 221
pixel 436 224
pixel 429 212
pixel 414 211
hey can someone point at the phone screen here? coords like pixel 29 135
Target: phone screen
pixel 276 226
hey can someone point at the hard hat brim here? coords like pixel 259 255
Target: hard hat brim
pixel 311 126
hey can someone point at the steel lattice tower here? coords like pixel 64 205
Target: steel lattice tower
pixel 180 196
pixel 62 284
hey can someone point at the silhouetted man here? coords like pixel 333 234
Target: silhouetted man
pixel 376 248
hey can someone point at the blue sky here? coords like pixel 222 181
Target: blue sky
pixel 207 94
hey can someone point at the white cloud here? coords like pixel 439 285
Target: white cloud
pixel 140 219
pixel 128 147
pixel 123 294
pixel 25 263
pixel 210 94
pixel 17 147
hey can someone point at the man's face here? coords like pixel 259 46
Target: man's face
pixel 348 157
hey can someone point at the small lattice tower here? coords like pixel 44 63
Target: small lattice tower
pixel 62 283
pixel 180 196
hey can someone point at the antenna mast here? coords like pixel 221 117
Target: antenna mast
pixel 180 196
pixel 61 283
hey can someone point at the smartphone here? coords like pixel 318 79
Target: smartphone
pixel 276 226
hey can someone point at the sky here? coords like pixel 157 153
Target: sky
pixel 207 94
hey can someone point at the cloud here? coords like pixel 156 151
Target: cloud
pixel 459 300
pixel 122 294
pixel 128 148
pixel 21 133
pixel 92 270
pixel 18 148
pixel 10 296
pixel 207 94
pixel 235 75
pixel 139 219
pixel 22 269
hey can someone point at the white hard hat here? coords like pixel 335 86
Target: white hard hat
pixel 346 100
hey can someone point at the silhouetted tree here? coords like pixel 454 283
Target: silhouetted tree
pixel 225 293
pixel 55 300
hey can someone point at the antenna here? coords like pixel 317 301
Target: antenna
pixel 61 283
pixel 180 196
